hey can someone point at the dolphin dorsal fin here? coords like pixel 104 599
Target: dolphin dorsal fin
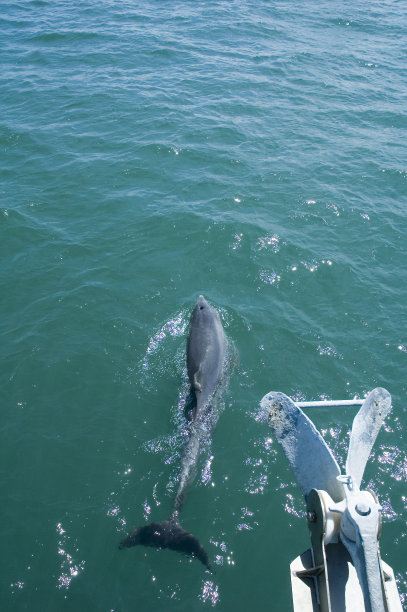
pixel 197 385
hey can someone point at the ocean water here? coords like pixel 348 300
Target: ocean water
pixel 254 152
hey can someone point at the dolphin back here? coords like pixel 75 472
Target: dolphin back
pixel 167 534
pixel 206 349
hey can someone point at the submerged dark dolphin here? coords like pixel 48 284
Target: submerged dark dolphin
pixel 206 352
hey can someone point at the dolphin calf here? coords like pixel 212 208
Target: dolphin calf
pixel 206 354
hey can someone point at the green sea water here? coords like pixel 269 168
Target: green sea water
pixel 151 151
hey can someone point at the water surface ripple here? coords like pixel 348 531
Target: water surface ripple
pixel 254 152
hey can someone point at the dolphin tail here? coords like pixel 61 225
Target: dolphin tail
pixel 167 534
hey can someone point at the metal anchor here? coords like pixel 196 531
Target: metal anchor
pixel 343 569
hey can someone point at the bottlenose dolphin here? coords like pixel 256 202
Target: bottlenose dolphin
pixel 206 353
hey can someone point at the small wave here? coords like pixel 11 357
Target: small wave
pixel 68 36
pixel 173 328
pixel 69 567
pixel 268 243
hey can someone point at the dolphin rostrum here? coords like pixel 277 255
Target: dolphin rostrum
pixel 206 353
